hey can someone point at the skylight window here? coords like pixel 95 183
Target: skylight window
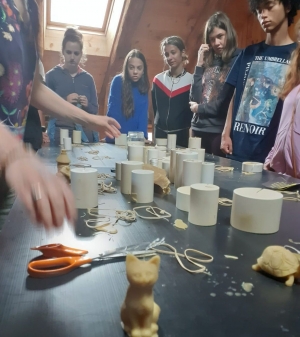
pixel 86 14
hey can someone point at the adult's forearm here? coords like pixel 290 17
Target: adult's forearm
pixel 8 144
pixel 50 103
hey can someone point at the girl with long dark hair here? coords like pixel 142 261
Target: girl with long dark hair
pixel 128 96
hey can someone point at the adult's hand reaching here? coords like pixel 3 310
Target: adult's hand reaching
pixel 46 197
pixel 103 124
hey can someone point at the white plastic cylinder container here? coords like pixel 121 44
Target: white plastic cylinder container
pixel 204 199
pixel 118 170
pixel 84 185
pixel 252 167
pixel 67 144
pixel 256 210
pixel 121 140
pixel 166 166
pixel 183 198
pixel 191 173
pixel 63 133
pixel 207 173
pixel 135 152
pixel 126 168
pixel 142 186
pixel 76 137
pixel 201 153
pixel 161 153
pixel 180 157
pixel 145 153
pixel 161 141
pixel 194 143
pixel 152 154
pixel 171 140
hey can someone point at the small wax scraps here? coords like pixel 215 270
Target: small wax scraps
pixel 224 168
pixel 247 287
pixel 180 224
pixel 231 257
pixel 160 178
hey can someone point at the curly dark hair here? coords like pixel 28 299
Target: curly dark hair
pixel 293 5
pixel 143 83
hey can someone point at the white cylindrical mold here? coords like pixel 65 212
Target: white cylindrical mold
pixel 171 141
pixel 84 185
pixel 191 173
pixel 145 153
pixel 183 198
pixel 76 137
pixel 194 143
pixel 256 210
pixel 121 140
pixel 126 168
pixel 161 153
pixel 166 166
pixel 252 167
pixel 161 141
pixel 135 152
pixel 180 157
pixel 204 200
pixel 142 186
pixel 207 173
pixel 152 154
pixel 118 170
pixel 67 144
pixel 201 153
pixel 63 133
pixel 154 162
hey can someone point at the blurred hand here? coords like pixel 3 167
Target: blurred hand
pixel 204 48
pixel 226 144
pixel 45 138
pixel 46 197
pixel 72 98
pixel 267 167
pixel 103 124
pixel 83 101
pixel 194 107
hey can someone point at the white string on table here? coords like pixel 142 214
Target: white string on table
pixel 225 202
pixel 291 196
pixel 191 259
pixel 104 176
pixel 151 209
pixel 102 187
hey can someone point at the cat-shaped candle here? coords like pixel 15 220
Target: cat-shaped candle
pixel 139 312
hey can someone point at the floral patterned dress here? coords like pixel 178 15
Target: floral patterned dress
pixel 17 65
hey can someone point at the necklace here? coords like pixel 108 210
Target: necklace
pixel 173 79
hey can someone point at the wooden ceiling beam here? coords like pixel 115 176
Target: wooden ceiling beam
pixel 131 15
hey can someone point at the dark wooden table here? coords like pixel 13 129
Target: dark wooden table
pixel 86 302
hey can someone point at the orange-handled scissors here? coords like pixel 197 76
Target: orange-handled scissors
pixel 63 259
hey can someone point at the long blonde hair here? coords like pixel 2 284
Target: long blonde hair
pixel 293 74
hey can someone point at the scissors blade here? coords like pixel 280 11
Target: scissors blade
pixel 125 249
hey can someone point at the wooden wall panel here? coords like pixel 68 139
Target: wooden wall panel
pixel 148 23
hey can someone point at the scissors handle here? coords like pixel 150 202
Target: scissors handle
pixel 57 266
pixel 59 250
